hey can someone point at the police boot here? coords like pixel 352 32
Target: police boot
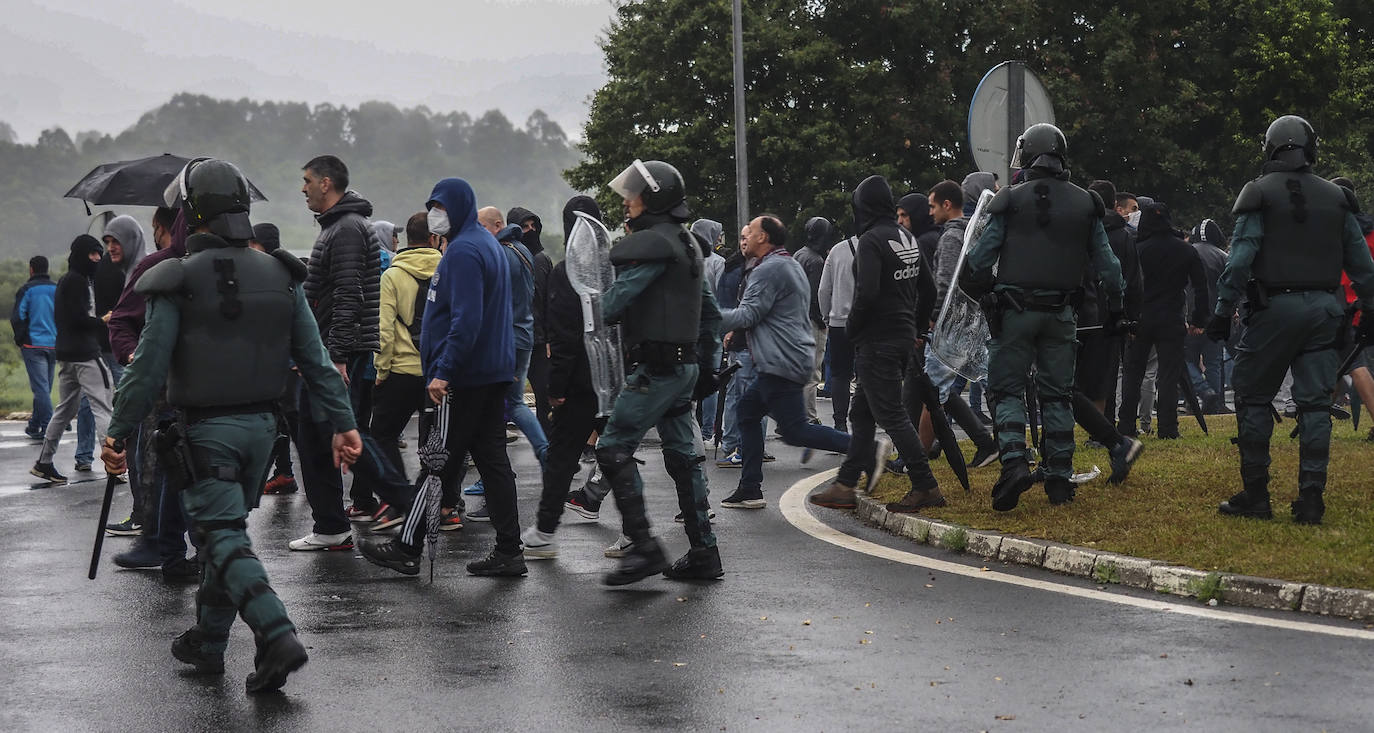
pixel 1060 490
pixel 644 558
pixel 700 563
pixel 189 647
pixel 1309 507
pixel 274 661
pixel 1015 479
pixel 1253 502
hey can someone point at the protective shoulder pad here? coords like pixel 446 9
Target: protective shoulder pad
pixel 643 246
pixel 164 278
pixel 1350 201
pixel 1001 202
pixel 1099 208
pixel 1250 199
pixel 293 264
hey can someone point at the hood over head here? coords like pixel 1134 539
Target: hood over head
pixel 974 185
pixel 584 204
pixel 709 230
pixel 509 233
pixel 460 205
pixel 1210 232
pixel 1155 220
pixel 917 206
pixel 267 235
pixel 872 204
pixel 127 231
pixel 518 215
pixel 79 258
pixel 385 233
pixel 820 234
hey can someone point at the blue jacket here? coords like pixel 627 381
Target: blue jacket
pixel 467 338
pixel 32 317
pixel 521 284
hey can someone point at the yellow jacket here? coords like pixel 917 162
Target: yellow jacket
pixel 400 284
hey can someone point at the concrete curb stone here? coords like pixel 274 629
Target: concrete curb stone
pixel 1136 572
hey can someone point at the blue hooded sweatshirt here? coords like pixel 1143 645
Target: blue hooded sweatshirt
pixel 521 283
pixel 467 338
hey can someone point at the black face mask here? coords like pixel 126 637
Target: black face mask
pixel 531 240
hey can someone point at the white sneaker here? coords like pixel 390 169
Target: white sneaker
pixel 317 542
pixel 884 447
pixel 538 545
pixel 619 548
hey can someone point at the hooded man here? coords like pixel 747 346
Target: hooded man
pixel 820 235
pixel 713 234
pixel 343 289
pixel 913 214
pixel 125 246
pixel 894 295
pixel 1168 265
pixel 467 349
pixel 532 229
pixel 385 236
pixel 1202 355
pixel 81 371
pixel 1042 235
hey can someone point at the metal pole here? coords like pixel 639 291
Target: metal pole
pixel 741 146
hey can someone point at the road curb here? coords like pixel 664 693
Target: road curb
pixel 1213 588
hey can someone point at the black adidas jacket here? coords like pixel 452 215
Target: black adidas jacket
pixel 894 292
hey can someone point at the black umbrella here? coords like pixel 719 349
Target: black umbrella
pixel 1190 396
pixel 139 182
pixel 930 396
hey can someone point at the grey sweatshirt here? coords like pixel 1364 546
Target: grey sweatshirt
pixel 775 308
pixel 836 291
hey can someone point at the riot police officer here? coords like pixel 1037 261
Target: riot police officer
pixel 670 325
pixel 1294 234
pixel 224 324
pixel 1042 234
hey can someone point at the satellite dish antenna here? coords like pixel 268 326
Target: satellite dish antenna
pixel 1007 101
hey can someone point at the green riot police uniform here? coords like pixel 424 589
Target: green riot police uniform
pixel 224 324
pixel 1042 235
pixel 1295 233
pixel 670 324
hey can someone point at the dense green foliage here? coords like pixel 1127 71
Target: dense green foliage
pixel 1169 98
pixel 394 157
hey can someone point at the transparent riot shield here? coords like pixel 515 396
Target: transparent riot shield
pixel 960 337
pixel 591 274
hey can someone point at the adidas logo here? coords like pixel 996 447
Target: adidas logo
pixel 906 273
pixel 906 249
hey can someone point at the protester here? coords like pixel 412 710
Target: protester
pixel 1167 266
pixel 81 371
pixel 1203 356
pixel 343 289
pixel 532 230
pixel 811 256
pixel 384 235
pixel 35 333
pixel 710 235
pixel 124 248
pixel 267 239
pixel 736 346
pixel 894 295
pixel 835 295
pixel 913 215
pixel 467 350
pixel 775 313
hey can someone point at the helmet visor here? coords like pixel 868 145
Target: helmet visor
pixel 633 180
pixel 1017 154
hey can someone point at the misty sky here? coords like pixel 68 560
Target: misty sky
pixel 99 64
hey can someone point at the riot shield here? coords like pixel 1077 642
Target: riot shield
pixel 960 337
pixel 591 274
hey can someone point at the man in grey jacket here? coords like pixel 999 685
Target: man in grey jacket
pixel 775 312
pixel 836 296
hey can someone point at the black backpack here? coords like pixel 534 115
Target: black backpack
pixel 416 321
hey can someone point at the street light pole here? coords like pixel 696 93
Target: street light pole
pixel 741 146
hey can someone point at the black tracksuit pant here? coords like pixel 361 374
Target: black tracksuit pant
pixel 1166 338
pixel 573 422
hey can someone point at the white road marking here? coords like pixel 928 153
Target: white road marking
pixel 796 511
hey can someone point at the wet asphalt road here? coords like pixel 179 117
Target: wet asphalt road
pixel 887 647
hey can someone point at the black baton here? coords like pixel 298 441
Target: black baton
pixel 110 483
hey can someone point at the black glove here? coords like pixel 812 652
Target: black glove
pixel 707 384
pixel 1366 330
pixel 1219 328
pixel 1116 324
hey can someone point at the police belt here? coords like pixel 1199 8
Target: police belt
pixel 200 414
pixel 1286 289
pixel 1045 303
pixel 661 353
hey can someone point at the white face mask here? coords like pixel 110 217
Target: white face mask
pixel 438 222
pixel 1134 219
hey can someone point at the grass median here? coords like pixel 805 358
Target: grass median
pixel 1167 509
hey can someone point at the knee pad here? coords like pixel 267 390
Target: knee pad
pixel 613 459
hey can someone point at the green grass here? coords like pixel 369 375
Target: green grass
pixel 1167 509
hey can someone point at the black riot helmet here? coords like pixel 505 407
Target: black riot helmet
pixel 1039 139
pixel 1291 132
pixel 213 193
pixel 659 184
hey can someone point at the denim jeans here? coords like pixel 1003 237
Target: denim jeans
pixel 41 365
pixel 519 413
pixel 782 399
pixel 1207 379
pixel 739 384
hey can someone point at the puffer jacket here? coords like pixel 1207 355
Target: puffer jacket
pixel 344 281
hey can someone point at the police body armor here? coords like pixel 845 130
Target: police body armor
pixel 234 343
pixel 1048 231
pixel 1304 220
pixel 669 310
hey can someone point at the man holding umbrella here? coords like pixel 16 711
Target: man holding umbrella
pixel 223 326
